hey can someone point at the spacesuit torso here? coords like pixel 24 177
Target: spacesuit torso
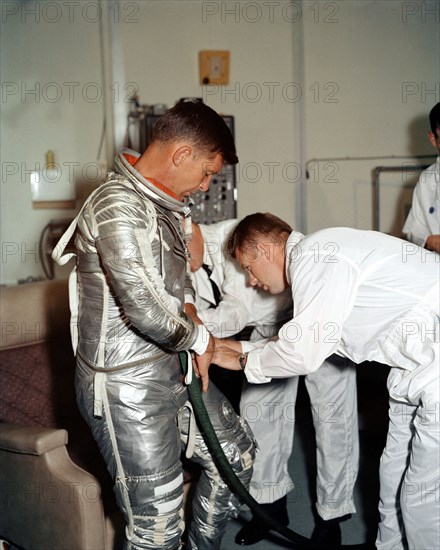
pixel 135 311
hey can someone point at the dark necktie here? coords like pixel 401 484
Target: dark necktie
pixel 227 381
pixel 215 289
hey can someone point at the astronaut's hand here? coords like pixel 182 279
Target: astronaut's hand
pixel 201 363
pixel 227 353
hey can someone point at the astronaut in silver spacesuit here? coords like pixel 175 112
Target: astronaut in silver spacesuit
pixel 130 320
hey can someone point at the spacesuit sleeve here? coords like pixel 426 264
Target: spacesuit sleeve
pixel 125 237
pixel 323 295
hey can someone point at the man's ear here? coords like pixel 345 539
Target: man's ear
pixel 433 139
pixel 181 154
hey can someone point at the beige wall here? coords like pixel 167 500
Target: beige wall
pixel 261 65
pixel 308 81
pixel 380 62
pixel 51 99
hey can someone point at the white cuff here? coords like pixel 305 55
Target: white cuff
pixel 246 346
pixel 250 346
pixel 253 370
pixel 189 298
pixel 202 340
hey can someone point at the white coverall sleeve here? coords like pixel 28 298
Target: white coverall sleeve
pixel 323 296
pixel 416 227
pixel 234 311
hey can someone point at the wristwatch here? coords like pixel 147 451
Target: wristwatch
pixel 242 359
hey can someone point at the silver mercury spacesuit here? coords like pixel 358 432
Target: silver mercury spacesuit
pixel 131 278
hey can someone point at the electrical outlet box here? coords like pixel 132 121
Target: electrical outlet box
pixel 214 67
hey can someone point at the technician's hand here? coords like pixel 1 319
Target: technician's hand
pixel 433 243
pixel 227 353
pixel 202 362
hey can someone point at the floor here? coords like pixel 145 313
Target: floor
pixel 362 526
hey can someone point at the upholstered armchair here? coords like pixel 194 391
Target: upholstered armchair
pixel 55 490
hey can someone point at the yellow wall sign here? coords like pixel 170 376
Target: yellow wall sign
pixel 214 67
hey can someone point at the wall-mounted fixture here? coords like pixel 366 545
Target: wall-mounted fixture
pixel 53 186
pixel 214 67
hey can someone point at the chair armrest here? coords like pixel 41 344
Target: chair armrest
pixel 31 439
pixel 58 502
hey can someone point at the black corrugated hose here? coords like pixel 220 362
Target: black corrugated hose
pixel 299 542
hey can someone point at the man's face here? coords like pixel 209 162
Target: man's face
pixel 196 172
pixel 264 264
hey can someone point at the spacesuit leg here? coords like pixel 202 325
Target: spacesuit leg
pixel 270 411
pixel 213 501
pixel 133 419
pixel 333 397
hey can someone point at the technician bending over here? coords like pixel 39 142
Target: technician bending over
pixel 368 297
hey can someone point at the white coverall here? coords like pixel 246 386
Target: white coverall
pixel 371 297
pixel 270 408
pixel 424 217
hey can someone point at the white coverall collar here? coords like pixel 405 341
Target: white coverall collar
pixel 292 251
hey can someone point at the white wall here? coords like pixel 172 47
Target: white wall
pixel 51 99
pixel 163 60
pixel 380 63
pixel 362 51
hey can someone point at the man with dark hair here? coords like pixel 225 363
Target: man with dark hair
pixel 366 297
pixel 132 256
pixel 422 226
pixel 196 125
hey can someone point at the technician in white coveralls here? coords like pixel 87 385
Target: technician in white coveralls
pixel 369 297
pixel 422 226
pixel 270 408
